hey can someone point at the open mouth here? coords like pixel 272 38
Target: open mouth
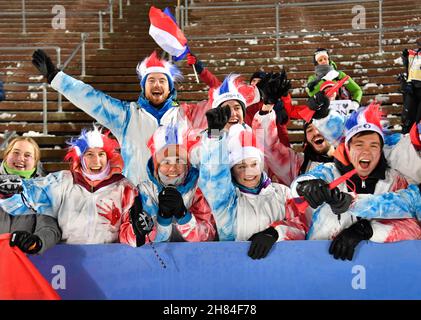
pixel 156 94
pixel 364 163
pixel 233 121
pixel 19 166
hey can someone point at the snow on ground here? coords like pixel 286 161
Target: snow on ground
pixel 251 41
pixel 6 115
pixel 398 61
pixel 36 77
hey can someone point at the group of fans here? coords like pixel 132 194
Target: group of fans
pixel 220 169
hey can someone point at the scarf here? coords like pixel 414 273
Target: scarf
pixel 157 112
pixel 322 69
pixel 98 176
pixel 26 174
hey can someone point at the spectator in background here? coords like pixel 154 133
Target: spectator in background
pixel 22 158
pixel 411 112
pixel 326 70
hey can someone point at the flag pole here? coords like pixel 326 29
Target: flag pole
pixel 195 73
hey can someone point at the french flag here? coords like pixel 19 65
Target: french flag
pixel 166 33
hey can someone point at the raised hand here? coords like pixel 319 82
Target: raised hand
pixel 44 64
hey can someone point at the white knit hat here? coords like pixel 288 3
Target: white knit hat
pixel 242 145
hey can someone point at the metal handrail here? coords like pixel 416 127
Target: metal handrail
pixel 83 36
pixel 7 136
pixel 80 46
pixel 48 13
pixel 183 20
pixel 57 48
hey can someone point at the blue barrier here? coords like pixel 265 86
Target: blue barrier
pixel 223 271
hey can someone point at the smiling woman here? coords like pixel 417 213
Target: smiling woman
pixel 21 157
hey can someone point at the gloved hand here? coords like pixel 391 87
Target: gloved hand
pixel 141 222
pixel 10 184
pixel 340 201
pixel 319 103
pixel 192 60
pixel 26 241
pixel 281 113
pixel 44 65
pixel 217 119
pixel 262 242
pixel 315 191
pixel 171 203
pixel 274 86
pixel 343 246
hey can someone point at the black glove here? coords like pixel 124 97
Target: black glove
pixel 44 65
pixel 316 192
pixel 262 242
pixel 10 184
pixel 340 201
pixel 274 86
pixel 281 113
pixel 217 119
pixel 26 241
pixel 343 246
pixel 141 222
pixel 171 203
pixel 319 103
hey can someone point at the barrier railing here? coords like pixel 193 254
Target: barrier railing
pixel 43 86
pixel 109 10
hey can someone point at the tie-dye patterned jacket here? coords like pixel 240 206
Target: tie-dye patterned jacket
pixel 325 225
pixel 197 225
pixel 405 203
pixel 239 215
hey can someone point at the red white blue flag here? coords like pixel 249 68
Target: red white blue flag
pixel 166 33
